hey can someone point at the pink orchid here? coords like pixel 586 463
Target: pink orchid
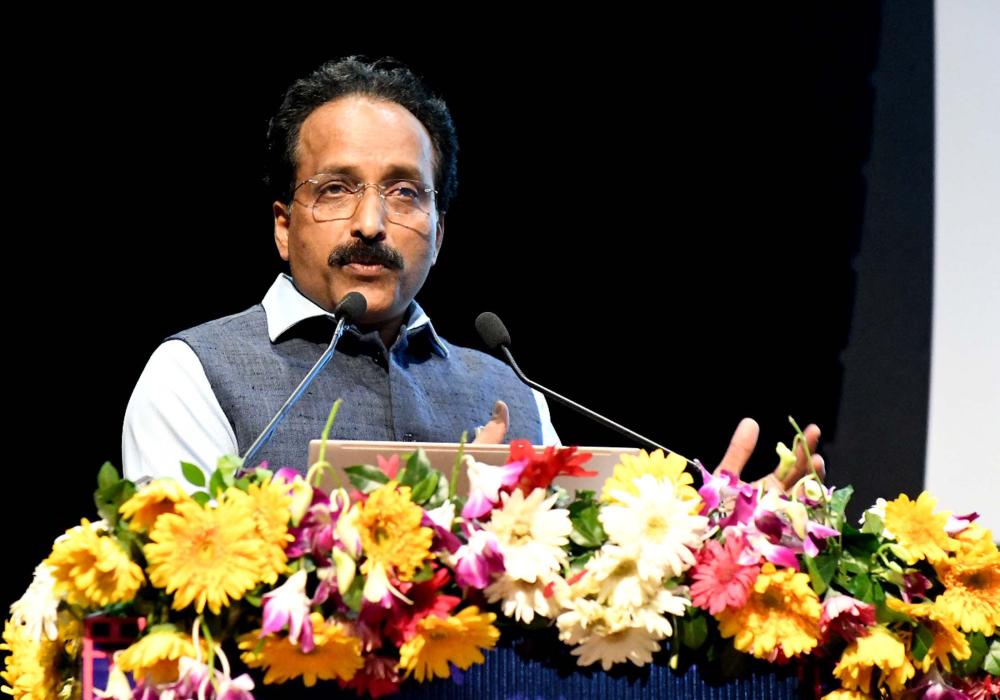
pixel 485 483
pixel 288 605
pixel 845 617
pixel 478 560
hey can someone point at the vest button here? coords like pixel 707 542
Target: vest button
pixel 408 437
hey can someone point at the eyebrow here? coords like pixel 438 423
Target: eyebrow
pixel 408 172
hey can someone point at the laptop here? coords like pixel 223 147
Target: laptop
pixel 347 453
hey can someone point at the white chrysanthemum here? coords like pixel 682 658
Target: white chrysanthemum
pixel 522 600
pixel 651 617
pixel 579 619
pixel 614 571
pixel 37 611
pixel 613 640
pixel 531 534
pixel 659 523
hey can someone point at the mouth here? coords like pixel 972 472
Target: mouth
pixel 366 269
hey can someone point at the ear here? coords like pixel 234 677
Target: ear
pixel 282 220
pixel 438 238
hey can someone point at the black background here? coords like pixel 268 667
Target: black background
pixel 766 182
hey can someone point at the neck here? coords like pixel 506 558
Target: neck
pixel 388 331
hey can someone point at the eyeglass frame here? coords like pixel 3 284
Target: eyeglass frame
pixel 380 187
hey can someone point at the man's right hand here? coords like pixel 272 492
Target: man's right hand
pixel 495 430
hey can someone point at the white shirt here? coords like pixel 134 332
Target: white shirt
pixel 174 416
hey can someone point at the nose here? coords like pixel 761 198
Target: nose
pixel 369 218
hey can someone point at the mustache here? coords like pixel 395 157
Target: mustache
pixel 378 254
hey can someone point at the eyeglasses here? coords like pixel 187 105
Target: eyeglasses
pixel 335 197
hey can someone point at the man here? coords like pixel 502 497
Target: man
pixel 363 160
pixel 363 165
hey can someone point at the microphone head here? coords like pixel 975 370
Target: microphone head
pixel 491 330
pixel 352 307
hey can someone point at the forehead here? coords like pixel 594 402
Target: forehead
pixel 373 138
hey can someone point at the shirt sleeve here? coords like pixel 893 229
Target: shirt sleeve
pixel 549 436
pixel 174 416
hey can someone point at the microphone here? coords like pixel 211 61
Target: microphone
pixel 495 335
pixel 350 309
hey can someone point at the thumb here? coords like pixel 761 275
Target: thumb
pixel 495 430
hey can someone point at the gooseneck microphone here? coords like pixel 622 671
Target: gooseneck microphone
pixel 495 335
pixel 350 309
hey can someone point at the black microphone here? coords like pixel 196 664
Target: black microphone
pixel 495 335
pixel 350 309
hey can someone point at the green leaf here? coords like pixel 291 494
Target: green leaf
pixel 353 595
pixel 201 498
pixel 923 640
pixel 107 477
pixel 860 587
pixel 425 573
pixel 425 488
pixel 255 599
pixel 979 648
pixel 861 545
pixel 217 484
pixel 587 530
pixel 576 563
pixel 366 478
pixel 693 630
pixel 838 504
pixel 229 464
pixel 873 524
pixel 110 499
pixel 821 570
pixel 193 474
pixel 416 470
pixel 991 664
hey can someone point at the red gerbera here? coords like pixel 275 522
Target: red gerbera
pixel 542 468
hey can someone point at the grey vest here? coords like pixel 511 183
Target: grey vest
pixel 410 393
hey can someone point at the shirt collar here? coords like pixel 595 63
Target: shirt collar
pixel 285 306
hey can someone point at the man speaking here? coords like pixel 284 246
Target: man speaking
pixel 362 163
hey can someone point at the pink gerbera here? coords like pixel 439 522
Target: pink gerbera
pixel 720 581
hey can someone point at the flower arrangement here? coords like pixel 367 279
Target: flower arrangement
pixel 396 576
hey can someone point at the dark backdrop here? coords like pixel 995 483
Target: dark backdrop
pixel 744 159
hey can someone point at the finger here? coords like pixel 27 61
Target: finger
pixel 740 447
pixel 801 468
pixel 495 430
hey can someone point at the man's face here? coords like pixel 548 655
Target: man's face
pixel 370 141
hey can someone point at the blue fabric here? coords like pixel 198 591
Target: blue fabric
pixel 410 393
pixel 532 665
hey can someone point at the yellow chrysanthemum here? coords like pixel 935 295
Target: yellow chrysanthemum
pixel 971 598
pixel 658 466
pixel 30 671
pixel 206 556
pixel 156 655
pixel 151 502
pixel 880 649
pixel 456 639
pixel 391 535
pixel 919 531
pixel 947 639
pixel 337 654
pixel 973 540
pixel 92 570
pixel 782 612
pixel 269 503
pixel 844 694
